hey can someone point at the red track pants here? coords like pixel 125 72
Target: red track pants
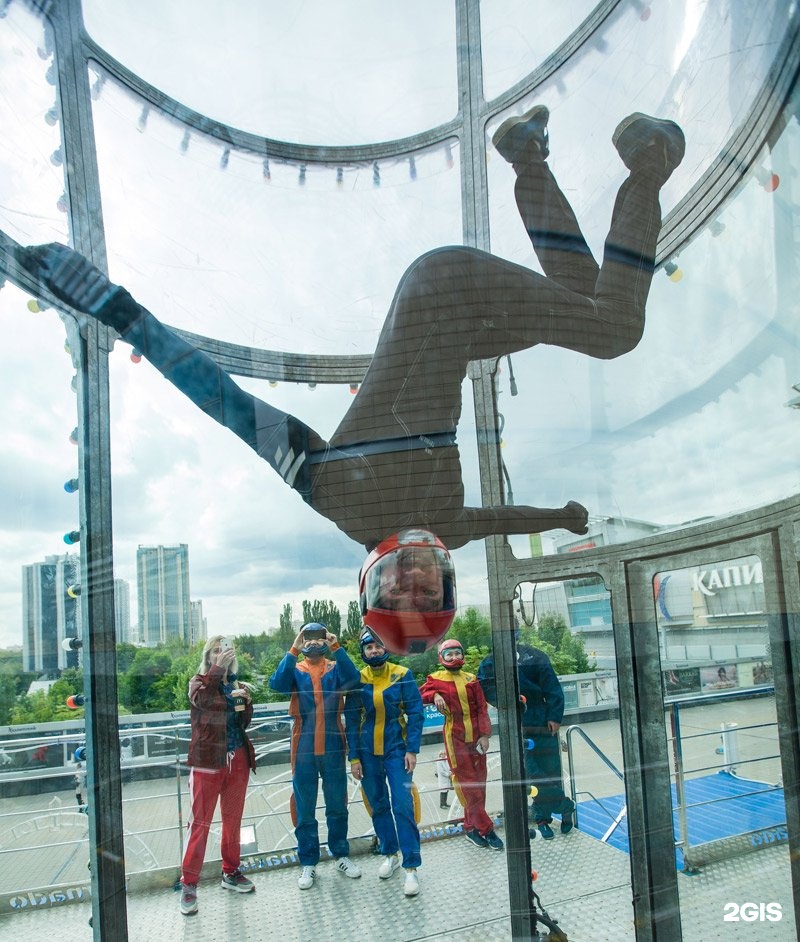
pixel 469 781
pixel 229 785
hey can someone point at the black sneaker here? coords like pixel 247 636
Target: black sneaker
pixel 237 881
pixel 567 822
pixel 516 134
pixel 474 838
pixel 653 145
pixel 494 841
pixel 546 831
pixel 531 834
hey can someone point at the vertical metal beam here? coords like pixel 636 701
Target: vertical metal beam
pixel 783 607
pixel 109 914
pixel 475 226
pixel 654 877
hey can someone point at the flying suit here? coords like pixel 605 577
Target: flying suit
pixel 544 702
pixel 466 720
pixel 393 461
pixel 318 746
pixel 384 722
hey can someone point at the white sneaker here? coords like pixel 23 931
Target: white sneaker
pixel 411 884
pixel 306 879
pixel 390 863
pixel 346 866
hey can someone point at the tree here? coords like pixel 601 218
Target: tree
pixel 286 633
pixel 354 621
pixel 471 629
pixel 139 686
pixel 551 628
pixel 14 681
pixel 326 613
pixel 567 652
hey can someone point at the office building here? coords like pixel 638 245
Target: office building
pixel 163 593
pixel 199 622
pixel 49 614
pixel 122 611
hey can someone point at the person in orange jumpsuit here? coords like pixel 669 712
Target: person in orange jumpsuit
pixel 458 696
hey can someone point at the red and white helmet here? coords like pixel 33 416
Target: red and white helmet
pixel 456 660
pixel 407 590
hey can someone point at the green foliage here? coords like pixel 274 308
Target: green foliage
pixel 156 680
pixel 142 686
pixel 326 613
pixel 472 630
pixel 354 621
pixel 13 682
pixel 566 651
pixel 285 634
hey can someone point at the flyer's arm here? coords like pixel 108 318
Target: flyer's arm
pixel 279 438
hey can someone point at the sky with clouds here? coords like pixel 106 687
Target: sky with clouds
pixel 692 423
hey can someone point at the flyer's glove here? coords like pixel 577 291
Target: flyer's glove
pixel 70 277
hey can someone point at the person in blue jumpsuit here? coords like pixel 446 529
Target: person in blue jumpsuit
pixel 541 720
pixel 317 686
pixel 384 731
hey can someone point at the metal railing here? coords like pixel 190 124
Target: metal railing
pixel 698 853
pixel 573 731
pixel 693 854
pixel 44 841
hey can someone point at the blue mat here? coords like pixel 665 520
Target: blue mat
pixel 742 811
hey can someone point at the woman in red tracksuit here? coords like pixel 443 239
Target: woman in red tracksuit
pixel 458 695
pixel 221 757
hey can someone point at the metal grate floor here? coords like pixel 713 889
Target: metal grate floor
pixel 584 884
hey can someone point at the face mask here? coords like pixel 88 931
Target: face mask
pixel 377 659
pixel 315 650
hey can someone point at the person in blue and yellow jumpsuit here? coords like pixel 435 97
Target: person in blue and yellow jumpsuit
pixel 458 696
pixel 384 731
pixel 317 685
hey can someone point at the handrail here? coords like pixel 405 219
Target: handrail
pixel 673 707
pixel 571 767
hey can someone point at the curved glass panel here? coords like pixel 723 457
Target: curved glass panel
pixel 518 35
pixel 605 81
pixel 286 256
pixel 319 73
pixel 666 433
pixel 37 510
pixel 32 200
pixel 708 434
pixel 692 422
pixel 242 566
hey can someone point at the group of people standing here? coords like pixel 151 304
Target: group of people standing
pixel 372 718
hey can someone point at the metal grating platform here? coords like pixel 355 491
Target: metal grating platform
pixel 584 885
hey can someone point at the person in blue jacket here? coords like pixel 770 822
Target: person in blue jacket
pixel 541 720
pixel 317 686
pixel 384 731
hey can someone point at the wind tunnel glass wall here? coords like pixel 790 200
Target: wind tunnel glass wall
pixel 32 181
pixel 314 75
pixel 724 738
pixel 292 256
pixel 675 430
pixel 305 257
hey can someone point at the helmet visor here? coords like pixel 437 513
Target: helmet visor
pixel 412 579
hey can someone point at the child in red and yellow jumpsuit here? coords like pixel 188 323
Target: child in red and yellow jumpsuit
pixel 458 695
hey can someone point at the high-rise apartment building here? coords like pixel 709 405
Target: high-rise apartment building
pixel 122 611
pixel 199 622
pixel 49 614
pixel 163 593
